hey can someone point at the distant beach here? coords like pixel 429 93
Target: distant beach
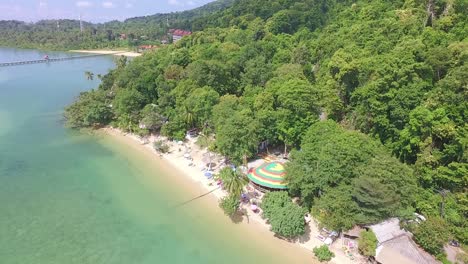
pixel 110 52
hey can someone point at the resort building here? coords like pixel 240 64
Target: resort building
pixel 178 34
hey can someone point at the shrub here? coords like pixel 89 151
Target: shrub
pixel 285 217
pixel 204 141
pixel 161 146
pixel 323 253
pixel 367 243
pixel 174 129
pixel 288 221
pixel 272 201
pixel 229 204
pixel 432 235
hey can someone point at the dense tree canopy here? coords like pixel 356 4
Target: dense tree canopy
pixel 65 34
pixel 390 76
pixel 348 178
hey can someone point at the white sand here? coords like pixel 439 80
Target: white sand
pixel 176 158
pixel 110 52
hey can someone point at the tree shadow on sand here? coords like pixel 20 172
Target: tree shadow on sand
pixel 301 239
pixel 238 217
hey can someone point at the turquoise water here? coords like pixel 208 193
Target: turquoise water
pixel 70 197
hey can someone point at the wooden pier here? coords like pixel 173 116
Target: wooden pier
pixel 15 63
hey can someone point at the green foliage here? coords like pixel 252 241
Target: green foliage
pixel 328 157
pixel 64 34
pixel 323 253
pixel 128 102
pixel 272 201
pixel 377 200
pixel 392 80
pixel 90 110
pixel 175 128
pixel 204 141
pixel 336 209
pixel 237 137
pixel 367 243
pixel 348 178
pixel 151 119
pixel 200 103
pixel 233 181
pixel 229 204
pixel 432 235
pixel 285 217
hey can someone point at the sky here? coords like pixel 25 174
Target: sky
pixel 90 10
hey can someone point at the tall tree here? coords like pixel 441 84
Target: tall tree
pixel 237 137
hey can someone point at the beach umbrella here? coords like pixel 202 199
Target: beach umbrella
pixel 209 174
pixel 270 175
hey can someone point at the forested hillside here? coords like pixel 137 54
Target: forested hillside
pixel 390 75
pixel 64 34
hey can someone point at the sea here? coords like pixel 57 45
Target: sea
pixel 70 196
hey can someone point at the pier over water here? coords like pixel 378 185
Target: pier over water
pixel 16 63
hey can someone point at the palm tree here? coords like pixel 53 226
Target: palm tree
pixel 190 118
pixel 233 180
pixel 89 75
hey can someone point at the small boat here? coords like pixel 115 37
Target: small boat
pixel 46 57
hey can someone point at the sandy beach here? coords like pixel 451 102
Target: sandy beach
pixel 110 52
pixel 189 159
pixel 176 170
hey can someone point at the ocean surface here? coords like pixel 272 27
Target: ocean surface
pixel 70 197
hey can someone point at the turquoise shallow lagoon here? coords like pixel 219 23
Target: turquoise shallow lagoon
pixel 70 197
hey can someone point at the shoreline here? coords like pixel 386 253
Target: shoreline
pixel 109 52
pixel 175 175
pixel 175 159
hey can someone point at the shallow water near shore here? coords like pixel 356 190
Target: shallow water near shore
pixel 73 197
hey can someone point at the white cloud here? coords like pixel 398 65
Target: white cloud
pixel 42 4
pixel 128 5
pixel 83 4
pixel 108 4
pixel 174 2
pixel 190 3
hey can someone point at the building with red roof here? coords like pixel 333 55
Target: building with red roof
pixel 178 34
